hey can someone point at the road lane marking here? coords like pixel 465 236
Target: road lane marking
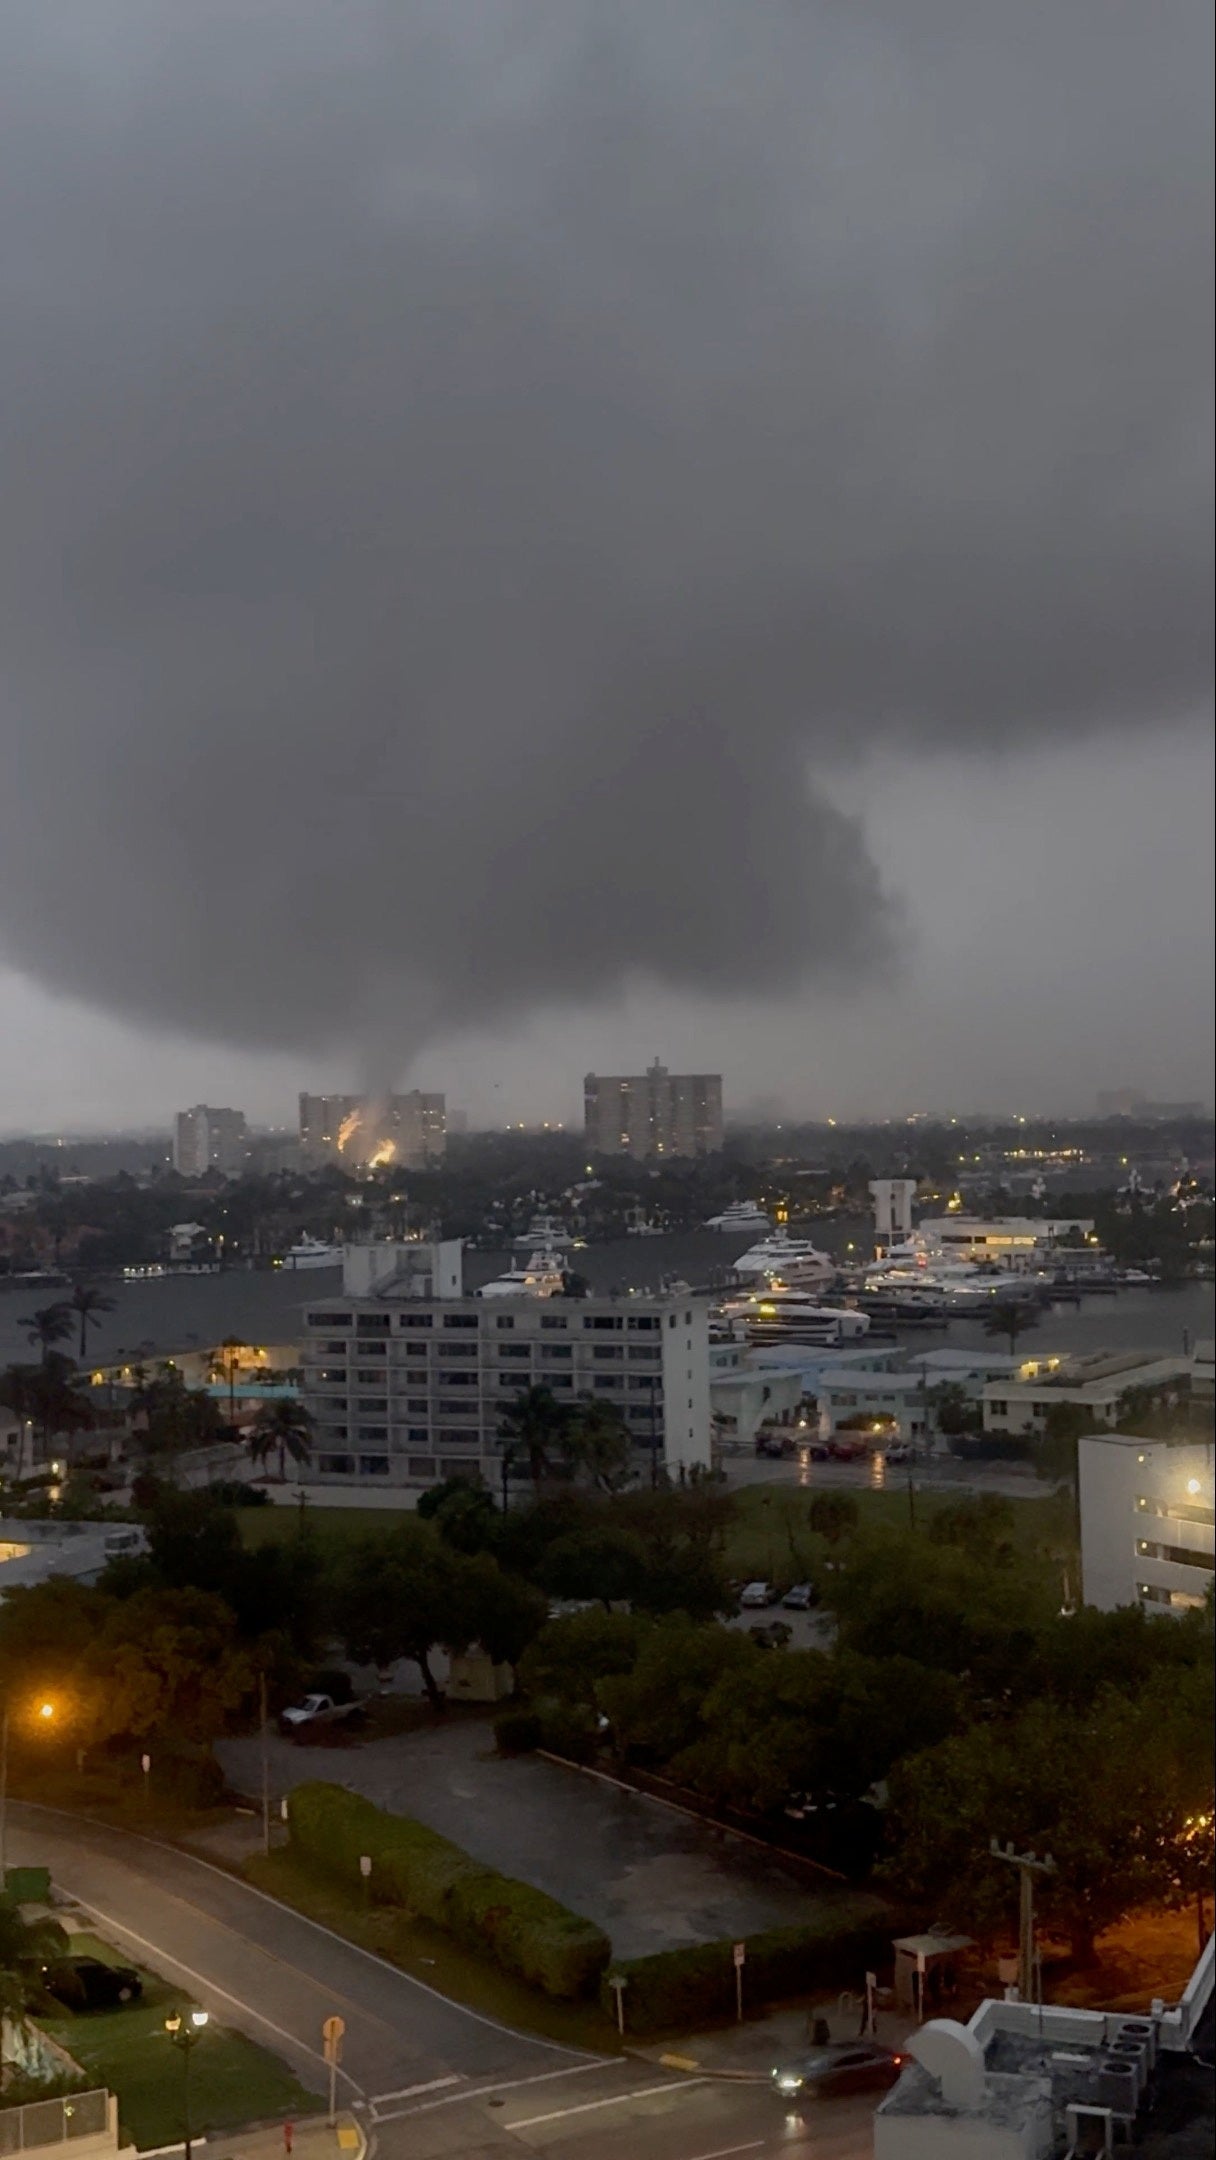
pixel 179 1853
pixel 407 2092
pixel 481 2092
pixel 163 1957
pixel 723 2152
pixel 585 2107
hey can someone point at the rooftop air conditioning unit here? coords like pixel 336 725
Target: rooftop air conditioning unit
pixel 1135 2053
pixel 1118 2085
pixel 1141 2029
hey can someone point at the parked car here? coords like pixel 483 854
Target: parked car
pixel 86 1983
pixel 773 1637
pixel 756 1596
pixel 847 1447
pixel 801 1597
pixel 341 1707
pixel 775 1444
pixel 900 1451
pixel 845 2066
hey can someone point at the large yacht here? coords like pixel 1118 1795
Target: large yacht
pixel 740 1215
pixel 544 1234
pixel 794 1262
pixel 312 1252
pixel 962 1286
pixel 779 1316
pixel 543 1275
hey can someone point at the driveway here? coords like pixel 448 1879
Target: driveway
pixel 651 1877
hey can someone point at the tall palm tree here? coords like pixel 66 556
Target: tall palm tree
pixel 18 1394
pixel 88 1303
pixel 49 1325
pixel 1010 1317
pixel 598 1441
pixel 533 1427
pixel 225 1365
pixel 283 1427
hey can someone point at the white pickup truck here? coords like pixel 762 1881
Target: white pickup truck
pixel 317 1710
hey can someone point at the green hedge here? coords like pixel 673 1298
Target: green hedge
pixel 678 1989
pixel 527 1933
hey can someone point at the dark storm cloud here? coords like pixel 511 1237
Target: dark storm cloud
pixel 473 471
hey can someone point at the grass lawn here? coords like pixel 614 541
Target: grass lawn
pixel 430 1955
pixel 771 1534
pixel 273 1525
pixel 232 2081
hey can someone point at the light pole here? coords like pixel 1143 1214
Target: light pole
pixel 46 1711
pixel 186 2034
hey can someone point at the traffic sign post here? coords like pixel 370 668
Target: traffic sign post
pixel 331 2033
pixel 618 1982
pixel 740 1957
pixel 365 1870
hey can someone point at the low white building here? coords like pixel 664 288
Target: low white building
pixel 33 1552
pixel 1024 2081
pixel 1096 1383
pixel 408 1381
pixel 1148 1522
pixel 906 1393
pixel 1013 1241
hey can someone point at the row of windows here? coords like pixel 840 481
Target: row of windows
pixel 1176 1511
pixel 1180 1555
pixel 377 1323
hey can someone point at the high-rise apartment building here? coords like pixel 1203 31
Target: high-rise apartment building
pixel 655 1113
pixel 408 1130
pixel 207 1140
pixel 408 1380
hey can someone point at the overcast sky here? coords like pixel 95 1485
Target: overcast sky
pixel 539 534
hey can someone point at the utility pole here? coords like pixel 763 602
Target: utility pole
pixel 265 1747
pixel 1028 1866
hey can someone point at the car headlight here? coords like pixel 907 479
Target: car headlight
pixel 788 2084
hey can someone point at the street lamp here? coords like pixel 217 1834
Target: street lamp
pixel 186 2033
pixel 46 1712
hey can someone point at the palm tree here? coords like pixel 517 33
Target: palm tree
pixel 533 1426
pixel 1010 1317
pixel 18 1394
pixel 51 1324
pixel 225 1365
pixel 27 1947
pixel 88 1302
pixel 598 1440
pixel 283 1427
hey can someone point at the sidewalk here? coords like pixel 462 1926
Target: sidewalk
pixel 312 2139
pixel 751 2049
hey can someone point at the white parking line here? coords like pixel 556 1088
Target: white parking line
pixel 724 2152
pixel 585 2107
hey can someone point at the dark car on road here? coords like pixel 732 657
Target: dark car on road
pixel 845 2066
pixel 87 1983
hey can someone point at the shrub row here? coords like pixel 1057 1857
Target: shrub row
pixel 696 1985
pixel 527 1933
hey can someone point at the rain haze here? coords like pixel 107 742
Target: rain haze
pixel 540 534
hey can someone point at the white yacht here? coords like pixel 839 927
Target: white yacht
pixel 543 1275
pixel 962 1286
pixel 777 1316
pixel 545 1233
pixel 794 1262
pixel 312 1252
pixel 740 1215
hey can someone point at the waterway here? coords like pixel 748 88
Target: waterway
pixel 155 1319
